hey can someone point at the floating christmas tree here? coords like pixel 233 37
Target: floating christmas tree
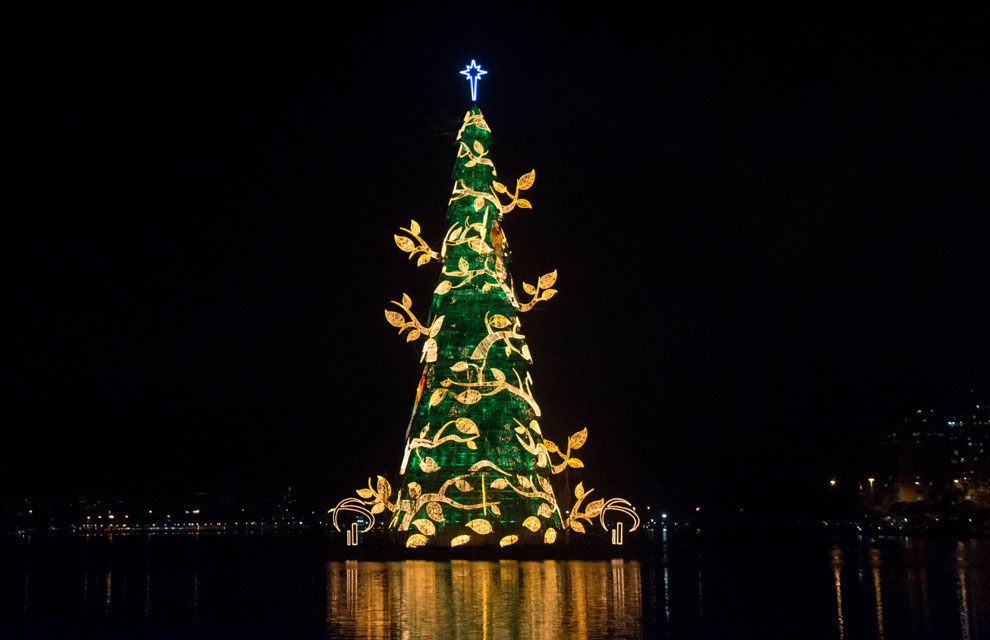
pixel 476 468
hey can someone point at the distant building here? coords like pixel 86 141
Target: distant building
pixel 931 455
pixel 969 441
pixel 919 450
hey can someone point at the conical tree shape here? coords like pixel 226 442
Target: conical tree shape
pixel 475 469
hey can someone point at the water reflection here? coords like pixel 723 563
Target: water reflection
pixel 836 567
pixel 490 600
pixel 877 595
pixel 961 590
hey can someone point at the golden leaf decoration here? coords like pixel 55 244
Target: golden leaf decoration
pixel 412 335
pixel 545 511
pixel 435 327
pixel 550 536
pixel 532 523
pixel 525 353
pixel 522 203
pixel 577 440
pixel 434 511
pixel 479 202
pixel 499 321
pixel 468 397
pixel 423 259
pixel 442 288
pixel 457 367
pixel 550 445
pixel 535 426
pixel 429 465
pixel 365 493
pixel 378 508
pixel 477 147
pixel 546 485
pixel 577 526
pixel 507 540
pixel 459 540
pixel 425 526
pixel 384 488
pixel 526 181
pixel 501 188
pixel 579 490
pixel 497 483
pixel 549 293
pixel 466 426
pixel 404 243
pixel 524 482
pixel 406 301
pixel 478 246
pixel 463 265
pixel 462 484
pixel 394 318
pixel 495 509
pixel 575 463
pixel 430 350
pixel 416 540
pixel 437 397
pixel 498 375
pixel 471 445
pixel 414 227
pixel 414 490
pixel 529 289
pixel 547 280
pixel 480 526
pixel 520 430
pixel 594 508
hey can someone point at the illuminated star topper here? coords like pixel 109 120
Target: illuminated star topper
pixel 473 73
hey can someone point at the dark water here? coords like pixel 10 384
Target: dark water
pixel 285 586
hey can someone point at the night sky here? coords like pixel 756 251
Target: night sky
pixel 771 239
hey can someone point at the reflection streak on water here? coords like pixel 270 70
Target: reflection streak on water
pixel 836 566
pixel 109 582
pixel 877 596
pixel 701 600
pixel 475 599
pixel 961 590
pixel 666 587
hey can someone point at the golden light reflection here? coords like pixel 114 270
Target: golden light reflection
pixel 877 596
pixel 483 599
pixel 961 590
pixel 836 566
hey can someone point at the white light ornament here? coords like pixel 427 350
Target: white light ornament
pixel 473 73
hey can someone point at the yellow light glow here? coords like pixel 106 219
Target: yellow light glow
pixel 415 540
pixel 507 540
pixel 425 526
pixel 480 525
pixel 459 540
pixel 532 523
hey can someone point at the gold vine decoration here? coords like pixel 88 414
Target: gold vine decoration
pixel 522 183
pixel 471 394
pixel 541 291
pixel 398 320
pixel 474 160
pixel 419 246
pixel 593 509
pixel 574 442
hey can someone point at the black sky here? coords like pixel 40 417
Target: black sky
pixel 771 235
